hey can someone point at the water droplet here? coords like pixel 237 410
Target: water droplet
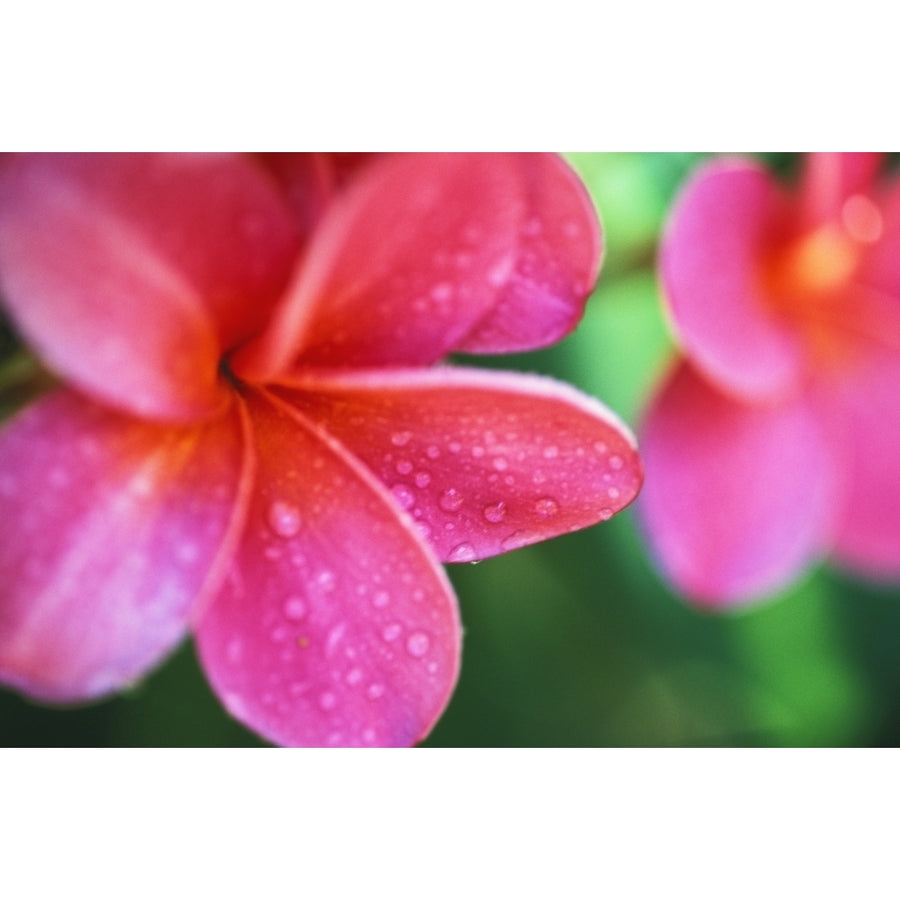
pixel 546 507
pixel 334 638
pixel 601 448
pixel 325 580
pixel 401 438
pixel 404 467
pixel 417 644
pixel 432 452
pixel 327 701
pixel 478 452
pixel 284 519
pixel 613 493
pixel 500 463
pixel 454 446
pixel 606 514
pixel 464 552
pixel 279 634
pixel 424 529
pixel 422 479
pixel 551 452
pixel 369 736
pixel 451 500
pixel 616 462
pixel 354 676
pixel 380 599
pixel 294 608
pixel 375 690
pixel 516 539
pixel 392 632
pixel 496 512
pixel 403 495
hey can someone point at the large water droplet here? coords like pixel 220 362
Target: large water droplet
pixel 284 519
pixel 546 507
pixel 417 644
pixel 495 512
pixel 464 552
pixel 451 500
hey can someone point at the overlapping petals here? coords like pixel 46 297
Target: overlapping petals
pixel 336 625
pixel 254 449
pixel 115 529
pixel 131 274
pixel 775 440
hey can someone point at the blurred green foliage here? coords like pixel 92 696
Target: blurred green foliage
pixel 578 642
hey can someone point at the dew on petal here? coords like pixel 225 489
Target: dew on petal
pixel 392 632
pixel 234 650
pixel 422 479
pixel 464 552
pixel 432 452
pixel 327 701
pixel 380 599
pixel 284 519
pixel 404 467
pixel 403 495
pixel 616 462
pixel 326 580
pixel 606 514
pixel 613 493
pixel 354 676
pixel 417 644
pixel 546 507
pixel 451 500
pixel 495 512
pixel 551 452
pixel 500 463
pixel 375 690
pixel 401 438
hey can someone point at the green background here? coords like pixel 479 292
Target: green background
pixel 577 641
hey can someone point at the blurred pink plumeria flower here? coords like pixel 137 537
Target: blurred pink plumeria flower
pixel 252 440
pixel 775 439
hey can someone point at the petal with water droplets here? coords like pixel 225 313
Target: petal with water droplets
pixel 738 498
pixel 556 263
pixel 115 529
pixel 711 260
pixel 482 462
pixel 131 273
pixel 336 625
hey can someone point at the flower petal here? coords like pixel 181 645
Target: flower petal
pixel 483 462
pixel 830 179
pixel 336 624
pixel 738 498
pixel 115 529
pixel 131 273
pixel 711 261
pixel 557 262
pixel 414 257
pixel 866 408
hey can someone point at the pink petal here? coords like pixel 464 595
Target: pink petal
pixel 131 273
pixel 866 407
pixel 418 252
pixel 830 179
pixel 483 462
pixel 114 530
pixel 738 498
pixel 557 263
pixel 336 624
pixel 307 183
pixel 712 268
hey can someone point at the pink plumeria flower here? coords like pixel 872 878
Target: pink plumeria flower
pixel 252 439
pixel 775 439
